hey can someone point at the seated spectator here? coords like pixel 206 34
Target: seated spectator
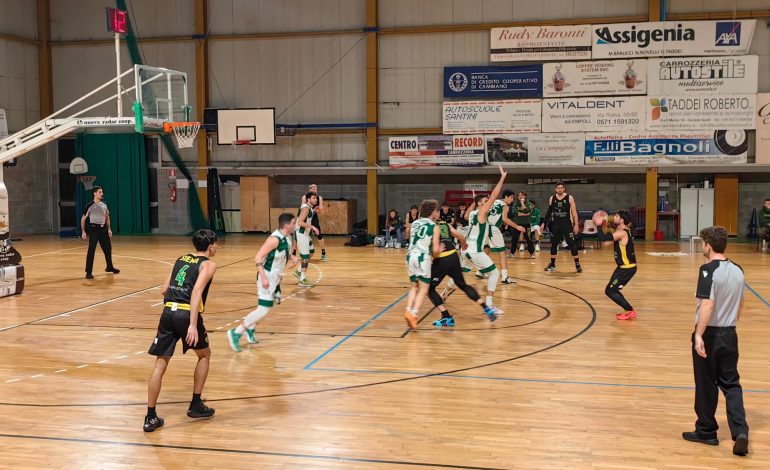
pixel 763 219
pixel 394 227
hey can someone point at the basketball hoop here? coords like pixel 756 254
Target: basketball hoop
pixel 185 132
pixel 88 181
pixel 241 142
pixel 78 166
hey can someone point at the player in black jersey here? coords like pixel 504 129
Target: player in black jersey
pixel 447 263
pixel 562 218
pixel 184 294
pixel 625 258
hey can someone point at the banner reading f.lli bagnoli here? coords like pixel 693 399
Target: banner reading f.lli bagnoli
pixel 436 150
pixel 540 43
pixel 516 81
pixel 657 148
pixel 491 117
pixel 710 75
pixel 694 112
pixel 672 38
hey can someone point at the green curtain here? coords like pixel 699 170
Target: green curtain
pixel 120 165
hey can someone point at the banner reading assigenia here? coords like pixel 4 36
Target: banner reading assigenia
pixel 536 149
pixel 491 117
pixel 594 114
pixel 658 148
pixel 540 43
pixel 671 38
pixel 595 78
pixel 705 75
pixel 695 112
pixel 436 150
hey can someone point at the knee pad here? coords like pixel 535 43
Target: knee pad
pixel 494 276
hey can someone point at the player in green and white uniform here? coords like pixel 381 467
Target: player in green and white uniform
pixel 271 260
pixel 304 235
pixel 498 221
pixel 423 244
pixel 478 236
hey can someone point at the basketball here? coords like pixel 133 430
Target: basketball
pixel 599 218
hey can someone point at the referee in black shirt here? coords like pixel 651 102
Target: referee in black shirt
pixel 715 344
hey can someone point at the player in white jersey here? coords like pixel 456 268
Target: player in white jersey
pixel 478 236
pixel 423 245
pixel 304 236
pixel 498 220
pixel 271 260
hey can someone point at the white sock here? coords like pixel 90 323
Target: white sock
pixel 494 275
pixel 302 275
pixel 252 319
pixel 505 274
pixel 489 300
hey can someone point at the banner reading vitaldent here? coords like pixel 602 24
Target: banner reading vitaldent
pixel 540 43
pixel 491 117
pixel 705 75
pixel 659 148
pixel 763 129
pixel 436 150
pixel 595 78
pixel 594 114
pixel 695 112
pixel 536 149
pixel 671 38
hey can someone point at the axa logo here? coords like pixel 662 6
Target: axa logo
pixel 659 105
pixel 728 33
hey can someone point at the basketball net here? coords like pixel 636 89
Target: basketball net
pixel 88 181
pixel 185 132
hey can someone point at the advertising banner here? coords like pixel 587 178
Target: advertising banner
pixel 3 124
pixel 595 78
pixel 763 129
pixel 695 112
pixel 491 117
pixel 671 38
pixel 651 148
pixel 594 114
pixel 540 43
pixel 436 150
pixel 536 149
pixel 709 75
pixel 517 81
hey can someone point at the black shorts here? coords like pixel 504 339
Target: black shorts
pixel 562 232
pixel 173 327
pixel 621 277
pixel 315 223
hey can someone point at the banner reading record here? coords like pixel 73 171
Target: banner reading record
pixel 491 117
pixel 436 150
pixel 540 43
pixel 672 38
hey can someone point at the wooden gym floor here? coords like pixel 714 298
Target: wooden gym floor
pixel 335 382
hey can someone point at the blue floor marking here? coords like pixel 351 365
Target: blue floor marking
pixel 757 294
pixel 509 379
pixel 354 332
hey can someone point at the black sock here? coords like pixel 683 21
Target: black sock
pixel 323 251
pixel 445 314
pixel 196 399
pixel 577 262
pixel 553 261
pixel 151 412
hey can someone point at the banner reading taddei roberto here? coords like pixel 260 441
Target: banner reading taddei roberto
pixel 540 43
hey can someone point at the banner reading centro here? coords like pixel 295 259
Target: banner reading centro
pixel 436 150
pixel 491 117
pixel 650 148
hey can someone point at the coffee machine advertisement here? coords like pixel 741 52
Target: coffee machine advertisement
pixel 595 78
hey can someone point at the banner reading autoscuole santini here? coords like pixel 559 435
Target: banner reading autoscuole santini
pixel 491 117
pixel 660 148
pixel 671 38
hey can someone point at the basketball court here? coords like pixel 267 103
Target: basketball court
pixel 337 379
